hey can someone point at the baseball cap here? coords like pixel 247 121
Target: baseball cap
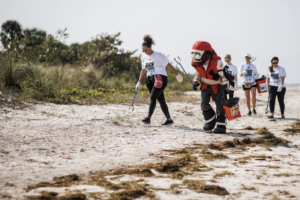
pixel 247 54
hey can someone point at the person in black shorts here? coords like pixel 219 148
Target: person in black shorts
pixel 249 73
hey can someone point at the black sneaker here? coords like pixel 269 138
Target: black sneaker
pixel 146 120
pixel 168 123
pixel 249 113
pixel 254 112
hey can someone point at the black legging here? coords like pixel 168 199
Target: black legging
pixel 231 93
pixel 280 95
pixel 157 93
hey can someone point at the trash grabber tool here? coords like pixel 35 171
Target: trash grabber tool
pixel 133 100
pixel 267 110
pixel 179 63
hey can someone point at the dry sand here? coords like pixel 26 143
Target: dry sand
pixel 50 140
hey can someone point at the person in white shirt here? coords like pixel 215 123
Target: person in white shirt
pixel 154 64
pixel 249 73
pixel 276 86
pixel 233 71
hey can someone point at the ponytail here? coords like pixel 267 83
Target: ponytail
pixel 148 41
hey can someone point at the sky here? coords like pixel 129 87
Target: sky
pixel 263 28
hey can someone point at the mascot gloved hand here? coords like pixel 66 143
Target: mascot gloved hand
pixel 195 85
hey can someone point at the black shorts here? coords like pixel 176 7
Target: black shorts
pixel 244 88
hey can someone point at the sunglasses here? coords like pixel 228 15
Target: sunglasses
pixel 145 50
pixel 275 63
pixel 227 60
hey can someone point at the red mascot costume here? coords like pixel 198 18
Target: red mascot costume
pixel 210 76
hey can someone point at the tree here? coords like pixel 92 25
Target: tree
pixel 34 37
pixel 11 34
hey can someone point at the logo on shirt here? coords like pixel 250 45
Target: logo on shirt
pixel 249 72
pixel 275 75
pixel 149 65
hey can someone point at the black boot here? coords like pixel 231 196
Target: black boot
pixel 220 129
pixel 210 120
pixel 221 124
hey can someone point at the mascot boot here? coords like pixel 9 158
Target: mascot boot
pixel 221 125
pixel 210 120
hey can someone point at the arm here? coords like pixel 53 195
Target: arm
pixel 282 80
pixel 171 68
pixel 142 75
pixel 268 81
pixel 241 71
pixel 235 77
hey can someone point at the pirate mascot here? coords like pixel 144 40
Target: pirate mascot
pixel 210 77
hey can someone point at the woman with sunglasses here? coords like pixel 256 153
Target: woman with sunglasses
pixel 276 86
pixel 233 71
pixel 154 64
pixel 249 73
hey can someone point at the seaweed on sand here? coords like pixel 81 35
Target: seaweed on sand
pixel 200 187
pixel 294 130
pixel 62 181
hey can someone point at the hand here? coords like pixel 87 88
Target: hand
pixel 244 72
pixel 138 85
pixel 179 78
pixel 257 76
pixel 215 76
pixel 279 88
pixel 195 85
pixel 235 86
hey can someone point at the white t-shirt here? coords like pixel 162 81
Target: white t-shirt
pixel 276 75
pixel 155 63
pixel 232 69
pixel 251 72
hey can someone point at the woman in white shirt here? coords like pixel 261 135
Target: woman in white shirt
pixel 249 73
pixel 154 64
pixel 276 76
pixel 233 71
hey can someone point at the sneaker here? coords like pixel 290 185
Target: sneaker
pixel 271 117
pixel 282 117
pixel 254 112
pixel 146 120
pixel 249 113
pixel 168 123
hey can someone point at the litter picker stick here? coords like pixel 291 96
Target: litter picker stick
pixel 133 100
pixel 267 110
pixel 179 63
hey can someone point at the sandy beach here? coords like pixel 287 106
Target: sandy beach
pixel 49 140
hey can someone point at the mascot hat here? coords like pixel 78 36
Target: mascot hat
pixel 198 50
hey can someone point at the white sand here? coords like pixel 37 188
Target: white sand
pixel 50 140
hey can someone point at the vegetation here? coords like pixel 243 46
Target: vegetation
pixel 35 65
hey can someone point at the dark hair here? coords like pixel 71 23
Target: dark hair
pixel 271 67
pixel 148 41
pixel 210 53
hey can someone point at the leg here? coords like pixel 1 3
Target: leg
pixel 163 105
pixel 150 86
pixel 272 94
pixel 154 94
pixel 208 112
pixel 161 98
pixel 253 95
pixel 280 96
pixel 247 94
pixel 231 94
pixel 221 120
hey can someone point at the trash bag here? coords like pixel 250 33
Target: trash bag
pixel 231 102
